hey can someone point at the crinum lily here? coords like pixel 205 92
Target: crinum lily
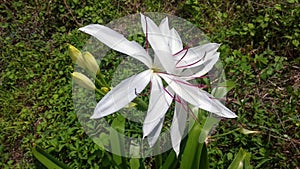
pixel 171 63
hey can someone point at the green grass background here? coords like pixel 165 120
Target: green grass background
pixel 260 53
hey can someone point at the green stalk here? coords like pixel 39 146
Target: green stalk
pixel 224 134
pixel 102 80
pixel 99 82
pixel 100 92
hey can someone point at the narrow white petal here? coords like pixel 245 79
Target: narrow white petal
pixel 178 125
pixel 197 97
pixel 158 43
pixel 122 94
pixel 224 111
pixel 153 136
pixel 117 42
pixel 200 70
pixel 175 43
pixel 197 55
pixel 164 28
pixel 159 104
pixel 171 36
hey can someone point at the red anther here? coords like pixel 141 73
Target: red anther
pixel 135 92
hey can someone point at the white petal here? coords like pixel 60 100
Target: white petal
pixel 225 112
pixel 122 94
pixel 175 43
pixel 159 104
pixel 153 136
pixel 171 36
pixel 158 43
pixel 164 28
pixel 200 70
pixel 197 97
pixel 117 42
pixel 197 55
pixel 178 125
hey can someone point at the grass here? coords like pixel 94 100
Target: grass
pixel 260 53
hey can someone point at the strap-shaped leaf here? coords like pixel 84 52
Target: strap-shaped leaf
pixel 47 160
pixel 241 161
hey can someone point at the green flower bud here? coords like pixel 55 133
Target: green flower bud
pixel 76 56
pixel 83 81
pixel 246 131
pixel 105 89
pixel 90 62
pixel 131 104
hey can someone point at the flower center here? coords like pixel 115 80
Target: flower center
pixel 155 69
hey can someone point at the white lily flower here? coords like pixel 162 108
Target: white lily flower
pixel 171 63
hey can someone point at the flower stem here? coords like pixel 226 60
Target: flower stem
pixel 99 92
pixel 224 134
pixel 99 82
pixel 102 82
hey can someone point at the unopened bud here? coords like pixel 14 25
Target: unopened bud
pixel 246 131
pixel 131 104
pixel 76 56
pixel 83 81
pixel 105 89
pixel 90 62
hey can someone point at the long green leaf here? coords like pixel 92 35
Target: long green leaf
pixel 241 161
pixel 170 162
pixel 134 163
pixel 116 142
pixel 203 159
pixel 198 156
pixel 47 160
pixel 191 148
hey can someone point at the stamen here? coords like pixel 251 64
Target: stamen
pixel 167 74
pixel 185 48
pixel 182 56
pixel 202 77
pixel 188 110
pixel 193 115
pixel 191 63
pixel 201 86
pixel 175 98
